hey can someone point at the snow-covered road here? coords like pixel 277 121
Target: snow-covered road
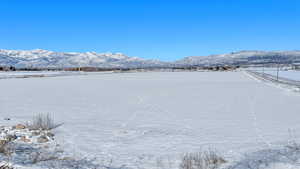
pixel 31 74
pixel 293 75
pixel 137 118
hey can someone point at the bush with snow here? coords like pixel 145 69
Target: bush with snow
pixel 208 159
pixel 43 122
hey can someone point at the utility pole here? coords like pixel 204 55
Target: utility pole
pixel 263 70
pixel 277 72
pixel 277 68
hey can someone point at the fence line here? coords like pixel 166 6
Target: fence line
pixel 274 79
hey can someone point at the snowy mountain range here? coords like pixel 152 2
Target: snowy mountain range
pixel 243 58
pixel 44 58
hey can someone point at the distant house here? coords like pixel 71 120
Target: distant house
pixel 296 66
pixel 6 68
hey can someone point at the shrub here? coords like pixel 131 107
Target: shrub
pixel 6 165
pixel 43 122
pixel 41 156
pixel 209 159
pixel 6 148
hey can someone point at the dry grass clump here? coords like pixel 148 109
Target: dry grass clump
pixel 6 165
pixel 6 148
pixel 43 122
pixel 39 157
pixel 209 159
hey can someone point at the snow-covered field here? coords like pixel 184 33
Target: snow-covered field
pixel 140 119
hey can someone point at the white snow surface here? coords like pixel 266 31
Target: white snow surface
pixel 137 118
pixel 282 166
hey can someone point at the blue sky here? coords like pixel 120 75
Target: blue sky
pixel 159 29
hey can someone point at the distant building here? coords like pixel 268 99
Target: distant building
pixel 7 68
pixel 296 66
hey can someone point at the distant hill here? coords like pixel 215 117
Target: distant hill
pixel 243 58
pixel 49 59
pixel 44 58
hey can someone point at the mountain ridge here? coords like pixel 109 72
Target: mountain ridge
pixel 45 58
pixel 244 57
